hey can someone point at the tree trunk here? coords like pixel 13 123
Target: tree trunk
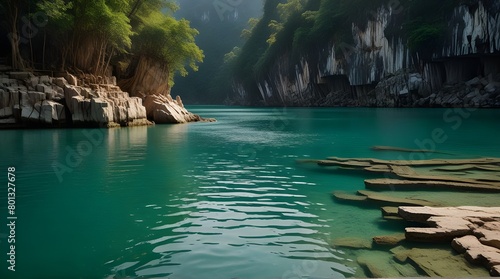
pixel 17 60
pixel 43 51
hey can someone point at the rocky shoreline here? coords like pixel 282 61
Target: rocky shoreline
pixel 400 90
pixel 438 240
pixel 63 100
pixel 403 89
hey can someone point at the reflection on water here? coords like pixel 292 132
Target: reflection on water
pixel 238 219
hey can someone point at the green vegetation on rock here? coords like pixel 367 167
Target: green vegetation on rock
pixel 301 28
pixel 92 35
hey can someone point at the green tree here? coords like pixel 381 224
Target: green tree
pixel 99 29
pixel 141 34
pixel 162 47
pixel 247 32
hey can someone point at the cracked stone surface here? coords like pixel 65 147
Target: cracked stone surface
pixel 474 231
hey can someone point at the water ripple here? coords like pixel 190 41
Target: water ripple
pixel 236 215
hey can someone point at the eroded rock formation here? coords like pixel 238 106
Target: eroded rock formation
pixel 473 231
pixel 163 109
pixel 43 100
pixel 381 70
pixel 29 100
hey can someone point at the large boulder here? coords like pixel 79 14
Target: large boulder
pixel 478 253
pixel 164 110
pixel 446 223
pixel 443 263
pixel 445 229
pixel 474 231
pixel 52 111
pixel 489 234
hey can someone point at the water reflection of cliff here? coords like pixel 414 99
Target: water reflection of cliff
pixel 126 152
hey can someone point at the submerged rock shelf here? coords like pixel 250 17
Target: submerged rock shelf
pixel 395 184
pixel 378 198
pixel 481 174
pixel 472 231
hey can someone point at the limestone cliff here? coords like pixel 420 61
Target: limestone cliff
pixel 150 80
pixel 379 69
pixel 27 100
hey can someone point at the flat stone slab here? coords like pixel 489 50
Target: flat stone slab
pixel 447 222
pixel 468 242
pixel 390 211
pixel 348 197
pixel 389 200
pixel 379 168
pixel 478 253
pixel 408 173
pixel 397 184
pixel 443 263
pixel 400 253
pixel 473 230
pixel 389 240
pixel 380 264
pixel 494 168
pixel 489 234
pixel 421 214
pixel 399 149
pixel 333 161
pixel 368 196
pixel 444 229
pixel 455 175
pixel 352 243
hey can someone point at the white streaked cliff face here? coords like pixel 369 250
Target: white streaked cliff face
pixel 374 56
pixel 471 30
pixel 371 56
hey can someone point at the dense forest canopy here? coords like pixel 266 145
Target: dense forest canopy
pixel 298 27
pixel 90 36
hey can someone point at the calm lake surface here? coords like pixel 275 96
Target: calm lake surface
pixel 213 200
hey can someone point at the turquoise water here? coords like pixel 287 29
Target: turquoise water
pixel 211 200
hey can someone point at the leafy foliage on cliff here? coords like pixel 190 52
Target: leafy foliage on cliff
pixel 302 27
pixel 90 35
